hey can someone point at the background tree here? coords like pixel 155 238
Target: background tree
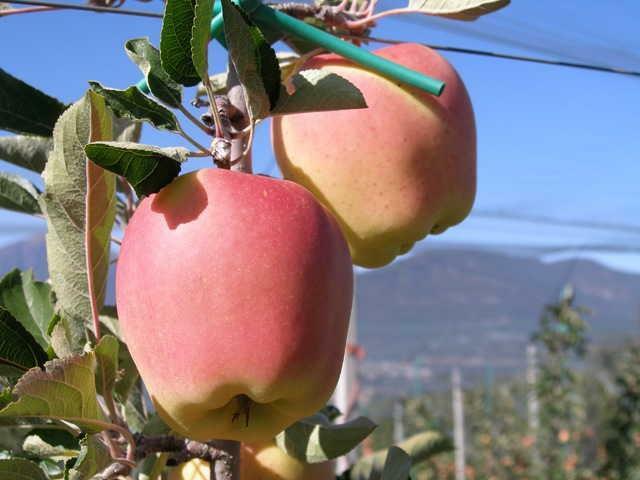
pixel 622 436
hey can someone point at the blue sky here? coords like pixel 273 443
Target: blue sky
pixel 553 142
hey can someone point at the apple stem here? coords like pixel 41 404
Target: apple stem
pixel 18 11
pixel 227 467
pixel 240 154
pixel 213 108
pixel 243 161
pixel 222 455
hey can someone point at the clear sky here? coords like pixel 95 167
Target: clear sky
pixel 553 142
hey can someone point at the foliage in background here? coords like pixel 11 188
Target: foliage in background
pixel 588 425
pixel 622 427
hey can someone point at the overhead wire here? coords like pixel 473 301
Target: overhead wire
pixel 541 219
pixel 502 39
pixel 484 53
pixel 456 27
pixel 90 8
pixel 575 44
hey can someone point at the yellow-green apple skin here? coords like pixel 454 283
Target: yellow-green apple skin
pixel 195 469
pixel 395 171
pixel 234 294
pixel 266 462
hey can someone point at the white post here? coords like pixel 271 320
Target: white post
pixel 346 390
pixel 458 423
pixel 532 399
pixel 533 405
pixel 398 425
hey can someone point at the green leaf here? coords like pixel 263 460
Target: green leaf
pixel 423 446
pixel 218 84
pixel 146 467
pixel 12 434
pixel 26 151
pixel 156 426
pixel 134 410
pixel 127 374
pixel 37 447
pixel 5 397
pixel 286 61
pixel 51 468
pixel 397 466
pixel 50 437
pixel 18 194
pixel 254 60
pixel 107 371
pixel 29 302
pixel 331 412
pixel 125 130
pixel 147 57
pixel 147 168
pixel 175 42
pixel 317 91
pixel 420 447
pixel 65 390
pixel 109 321
pixel 315 439
pixel 302 46
pixel 20 469
pixel 79 203
pixel 18 349
pixel 100 208
pixel 25 109
pixel 134 105
pixel 62 337
pixel 94 457
pixel 458 9
pixel 200 34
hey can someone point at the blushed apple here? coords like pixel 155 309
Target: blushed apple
pixel 234 294
pixel 395 171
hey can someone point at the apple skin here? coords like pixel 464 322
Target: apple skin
pixel 266 462
pixel 234 291
pixel 393 172
pixel 195 469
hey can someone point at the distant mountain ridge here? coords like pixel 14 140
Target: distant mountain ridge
pixel 28 254
pixel 453 306
pixel 477 309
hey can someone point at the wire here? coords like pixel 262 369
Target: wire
pixel 468 51
pixel 539 219
pixel 559 63
pixel 548 35
pixel 537 250
pixel 91 8
pixel 521 58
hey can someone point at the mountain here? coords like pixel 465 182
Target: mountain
pixel 28 254
pixel 454 307
pixel 477 310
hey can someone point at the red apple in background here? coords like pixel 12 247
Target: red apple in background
pixel 393 172
pixel 234 294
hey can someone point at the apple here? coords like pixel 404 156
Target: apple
pixel 234 293
pixel 395 171
pixel 266 462
pixel 195 469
